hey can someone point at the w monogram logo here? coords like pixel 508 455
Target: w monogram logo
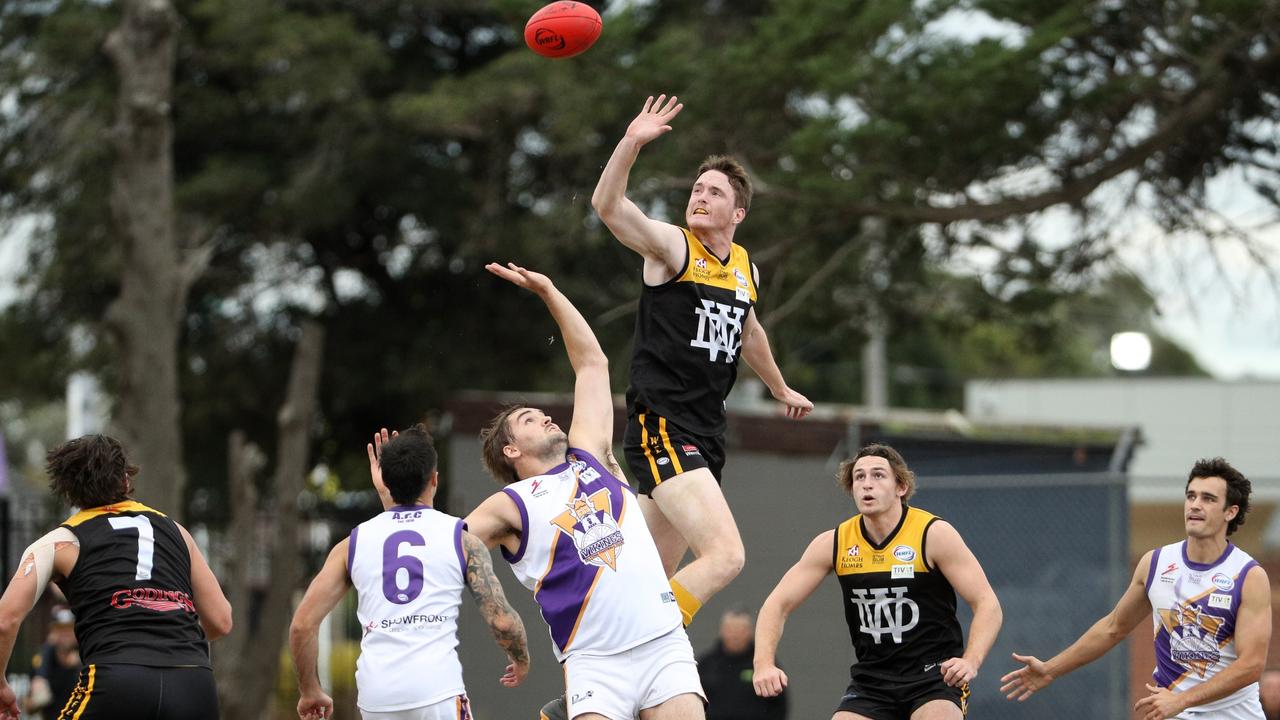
pixel 719 330
pixel 879 614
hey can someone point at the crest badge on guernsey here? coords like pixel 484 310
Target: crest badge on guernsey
pixel 587 555
pixel 1194 607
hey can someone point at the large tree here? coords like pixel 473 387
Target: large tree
pixel 363 160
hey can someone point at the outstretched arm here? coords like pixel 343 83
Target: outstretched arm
pixel 1253 630
pixel 592 426
pixel 793 589
pixel 953 558
pixel 328 587
pixel 1105 634
pixel 506 625
pixel 658 242
pixel 758 354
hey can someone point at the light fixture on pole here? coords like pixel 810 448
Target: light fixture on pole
pixel 1130 351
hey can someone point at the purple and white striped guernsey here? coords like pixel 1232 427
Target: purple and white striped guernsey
pixel 1194 607
pixel 587 555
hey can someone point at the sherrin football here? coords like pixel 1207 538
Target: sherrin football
pixel 562 29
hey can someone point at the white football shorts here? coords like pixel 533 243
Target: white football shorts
pixel 619 686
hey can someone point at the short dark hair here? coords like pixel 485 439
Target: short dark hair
pixel 493 438
pixel 901 472
pixel 738 179
pixel 407 462
pixel 1238 486
pixel 90 471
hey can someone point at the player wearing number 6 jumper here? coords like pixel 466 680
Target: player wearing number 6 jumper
pixel 568 524
pixel 899 569
pixel 409 566
pixel 145 601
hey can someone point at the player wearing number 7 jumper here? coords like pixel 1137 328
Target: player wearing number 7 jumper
pixel 408 565
pixel 145 601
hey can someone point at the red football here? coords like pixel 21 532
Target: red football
pixel 562 29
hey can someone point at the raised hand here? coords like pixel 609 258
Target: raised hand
pixel 652 121
pixel 516 275
pixel 374 449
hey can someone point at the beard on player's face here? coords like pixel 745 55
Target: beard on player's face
pixel 550 448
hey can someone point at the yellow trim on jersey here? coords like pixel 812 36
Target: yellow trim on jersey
pixel 666 443
pixel 120 507
pixel 88 692
pixel 705 268
pixel 855 555
pixel 644 445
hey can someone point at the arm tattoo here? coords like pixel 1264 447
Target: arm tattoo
pixel 507 627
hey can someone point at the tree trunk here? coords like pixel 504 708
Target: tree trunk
pixel 249 659
pixel 144 319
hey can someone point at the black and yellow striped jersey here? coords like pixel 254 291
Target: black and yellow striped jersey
pixel 131 589
pixel 901 612
pixel 689 336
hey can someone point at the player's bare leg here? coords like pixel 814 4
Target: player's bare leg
pixel 843 715
pixel 938 710
pixel 671 545
pixel 694 505
pixel 681 707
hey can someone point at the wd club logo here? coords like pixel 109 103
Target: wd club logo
pixel 719 330
pixel 885 611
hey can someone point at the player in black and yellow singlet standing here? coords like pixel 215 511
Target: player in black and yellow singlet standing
pixel 145 601
pixel 899 569
pixel 696 319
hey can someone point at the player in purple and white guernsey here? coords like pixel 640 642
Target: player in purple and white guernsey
pixel 1210 605
pixel 409 566
pixel 574 534
pixel 589 559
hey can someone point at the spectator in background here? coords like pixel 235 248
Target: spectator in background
pixel 1269 691
pixel 56 668
pixel 727 671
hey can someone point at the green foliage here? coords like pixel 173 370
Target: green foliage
pixel 363 160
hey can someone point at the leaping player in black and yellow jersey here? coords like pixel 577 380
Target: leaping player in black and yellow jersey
pixel 145 601
pixel 696 318
pixel 899 569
